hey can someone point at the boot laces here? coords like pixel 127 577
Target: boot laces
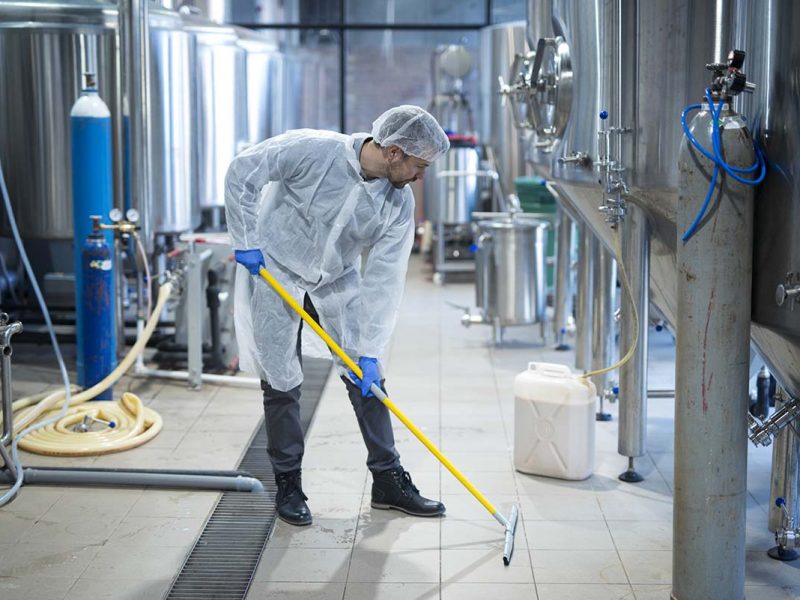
pixel 291 483
pixel 406 483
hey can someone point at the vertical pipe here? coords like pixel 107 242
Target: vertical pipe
pixel 563 293
pixel 633 375
pixel 5 382
pixel 194 317
pixel 583 329
pixel 712 364
pixel 135 27
pixel 784 479
pixel 603 292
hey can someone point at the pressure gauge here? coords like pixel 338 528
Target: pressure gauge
pixel 132 215
pixel 115 215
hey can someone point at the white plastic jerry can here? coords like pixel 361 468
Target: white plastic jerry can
pixel 554 420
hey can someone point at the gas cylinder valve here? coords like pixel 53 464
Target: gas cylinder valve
pixel 729 80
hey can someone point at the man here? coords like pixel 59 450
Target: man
pixel 305 205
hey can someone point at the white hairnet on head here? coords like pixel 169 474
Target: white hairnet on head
pixel 413 130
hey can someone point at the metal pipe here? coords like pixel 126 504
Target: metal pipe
pixel 135 32
pixel 784 478
pixel 583 338
pixel 563 292
pixel 139 478
pixel 7 330
pixel 761 433
pixel 632 440
pixel 142 371
pixel 712 359
pixel 603 292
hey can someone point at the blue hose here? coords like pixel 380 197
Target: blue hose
pixel 718 160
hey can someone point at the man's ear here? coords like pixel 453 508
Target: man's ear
pixel 393 153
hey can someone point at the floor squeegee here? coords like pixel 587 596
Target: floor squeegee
pixel 509 524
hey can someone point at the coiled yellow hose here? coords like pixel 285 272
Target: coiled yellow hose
pixel 134 424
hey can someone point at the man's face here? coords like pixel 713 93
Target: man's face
pixel 403 168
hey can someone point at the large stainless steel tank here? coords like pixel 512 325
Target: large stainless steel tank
pixel 499 46
pixel 44 50
pixel 221 99
pixel 173 71
pixel 768 32
pixel 625 57
pixel 262 61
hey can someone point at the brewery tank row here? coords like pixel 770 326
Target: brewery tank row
pixel 213 89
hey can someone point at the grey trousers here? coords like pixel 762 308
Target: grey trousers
pixel 285 443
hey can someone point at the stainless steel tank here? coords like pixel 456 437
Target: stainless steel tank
pixel 262 60
pixel 173 139
pixel 44 50
pixel 452 185
pixel 220 88
pixel 510 270
pixel 618 52
pixel 499 46
pixel 768 33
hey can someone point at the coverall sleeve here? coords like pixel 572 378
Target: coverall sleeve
pixel 383 281
pixel 247 175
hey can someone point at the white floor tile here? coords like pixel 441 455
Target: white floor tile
pixel 119 589
pixel 641 535
pixel 391 591
pixel 26 588
pixel 482 591
pixel 571 591
pixel 467 535
pixel 395 566
pixel 303 565
pixel 484 565
pixel 647 566
pixel 565 535
pixel 281 590
pixel 393 531
pixel 577 566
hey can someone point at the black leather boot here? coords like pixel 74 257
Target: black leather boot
pixel 290 499
pixel 394 489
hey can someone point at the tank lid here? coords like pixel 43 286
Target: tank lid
pixel 516 222
pixel 41 14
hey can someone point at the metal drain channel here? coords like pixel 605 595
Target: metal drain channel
pixel 225 556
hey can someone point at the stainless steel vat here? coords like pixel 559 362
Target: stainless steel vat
pixel 44 50
pixel 173 71
pixel 769 34
pixel 499 46
pixel 261 59
pixel 220 88
pixel 510 270
pixel 451 198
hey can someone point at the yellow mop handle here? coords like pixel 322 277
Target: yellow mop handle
pixel 376 390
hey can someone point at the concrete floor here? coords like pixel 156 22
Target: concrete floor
pixel 598 539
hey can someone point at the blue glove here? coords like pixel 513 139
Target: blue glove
pixel 253 260
pixel 371 373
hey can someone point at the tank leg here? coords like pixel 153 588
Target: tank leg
pixel 633 375
pixel 563 293
pixel 583 326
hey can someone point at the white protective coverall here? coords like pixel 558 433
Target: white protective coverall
pixel 300 198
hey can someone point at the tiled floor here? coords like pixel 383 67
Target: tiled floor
pixel 597 539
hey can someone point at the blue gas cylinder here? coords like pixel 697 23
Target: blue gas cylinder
pixel 92 194
pixel 98 326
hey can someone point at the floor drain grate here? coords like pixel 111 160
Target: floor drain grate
pixel 225 556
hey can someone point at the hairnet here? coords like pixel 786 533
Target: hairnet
pixel 413 130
